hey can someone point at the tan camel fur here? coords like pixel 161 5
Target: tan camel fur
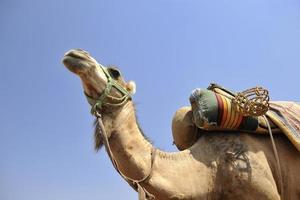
pixel 185 133
pixel 218 166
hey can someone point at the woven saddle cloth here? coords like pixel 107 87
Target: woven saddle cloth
pixel 286 115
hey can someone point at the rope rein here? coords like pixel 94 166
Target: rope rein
pixel 143 193
pixel 97 104
pixel 278 166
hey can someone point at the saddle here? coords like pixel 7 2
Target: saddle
pixel 219 109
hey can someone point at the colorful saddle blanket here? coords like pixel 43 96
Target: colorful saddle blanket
pixel 286 115
pixel 212 109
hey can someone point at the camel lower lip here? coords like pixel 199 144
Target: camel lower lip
pixel 68 60
pixel 75 63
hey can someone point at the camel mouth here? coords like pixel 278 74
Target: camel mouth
pixel 87 68
pixel 78 61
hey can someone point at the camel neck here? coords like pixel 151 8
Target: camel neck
pixel 129 147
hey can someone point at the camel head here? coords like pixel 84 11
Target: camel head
pixel 92 74
pixel 100 84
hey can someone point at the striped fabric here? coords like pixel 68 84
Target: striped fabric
pixel 229 118
pixel 286 115
pixel 212 110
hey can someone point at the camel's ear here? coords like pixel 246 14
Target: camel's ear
pixel 131 87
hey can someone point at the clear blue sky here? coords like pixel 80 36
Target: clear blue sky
pixel 168 47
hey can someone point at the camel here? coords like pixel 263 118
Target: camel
pixel 219 165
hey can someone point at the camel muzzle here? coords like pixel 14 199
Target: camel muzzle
pixel 78 61
pixel 88 69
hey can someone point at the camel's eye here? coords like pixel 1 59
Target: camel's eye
pixel 114 72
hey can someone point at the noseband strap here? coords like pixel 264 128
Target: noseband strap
pixel 105 98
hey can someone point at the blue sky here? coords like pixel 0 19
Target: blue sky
pixel 168 47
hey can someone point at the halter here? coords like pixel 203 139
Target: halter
pixel 107 99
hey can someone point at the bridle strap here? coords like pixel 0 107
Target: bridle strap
pixel 98 103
